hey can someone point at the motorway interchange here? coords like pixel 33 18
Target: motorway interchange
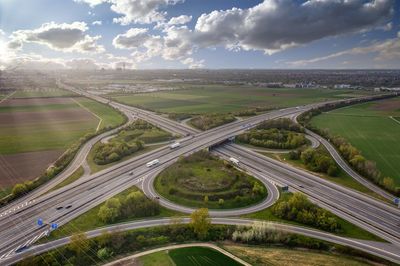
pixel 18 220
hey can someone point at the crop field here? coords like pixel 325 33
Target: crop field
pixel 187 257
pixel 35 132
pixel 41 92
pixel 257 255
pixel 225 99
pixel 373 128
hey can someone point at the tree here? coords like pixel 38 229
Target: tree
pixel 200 222
pixel 221 202
pixel 79 243
pixel 205 200
pixel 388 183
pixel 19 189
pixel 104 253
pixel 110 211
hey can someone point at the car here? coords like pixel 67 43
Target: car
pixel 19 250
pixel 68 206
pixel 157 197
pixel 59 208
pixel 300 186
pixel 131 173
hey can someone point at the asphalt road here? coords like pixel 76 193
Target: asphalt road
pixel 383 250
pixel 373 215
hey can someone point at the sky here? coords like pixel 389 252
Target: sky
pixel 157 34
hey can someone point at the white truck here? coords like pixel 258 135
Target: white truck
pixel 174 145
pixel 234 161
pixel 154 162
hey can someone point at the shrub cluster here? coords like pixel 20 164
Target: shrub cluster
pixel 298 208
pixel 105 153
pixel 316 160
pixel 135 204
pixel 207 121
pixel 275 134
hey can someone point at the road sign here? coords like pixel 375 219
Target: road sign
pixel 396 201
pixel 54 226
pixel 40 222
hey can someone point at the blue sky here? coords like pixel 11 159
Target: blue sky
pixel 200 33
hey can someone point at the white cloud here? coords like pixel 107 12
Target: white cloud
pixel 97 22
pixel 384 51
pixel 92 3
pixel 276 25
pixel 193 64
pixel 173 45
pixel 136 11
pixel 2 33
pixel 61 37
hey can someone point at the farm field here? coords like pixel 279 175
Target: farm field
pixel 373 128
pixel 34 132
pixel 187 257
pixel 256 255
pixel 225 99
pixel 41 92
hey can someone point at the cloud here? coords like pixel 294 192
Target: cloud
pixel 193 64
pixel 61 37
pixel 97 22
pixel 136 11
pixel 275 25
pixel 173 45
pixel 2 33
pixel 92 3
pixel 384 51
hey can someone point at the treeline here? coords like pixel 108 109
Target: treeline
pixel 316 160
pixel 208 121
pixel 58 166
pixel 135 204
pixel 275 134
pixel 298 208
pixel 350 153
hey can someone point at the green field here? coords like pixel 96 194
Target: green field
pixel 38 127
pixel 259 255
pixel 110 117
pixel 373 128
pixel 202 180
pixel 42 92
pixel 224 99
pixel 190 256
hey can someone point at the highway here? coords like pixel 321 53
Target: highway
pixel 18 228
pixel 380 249
pixel 362 210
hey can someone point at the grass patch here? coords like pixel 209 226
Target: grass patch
pixel 369 128
pixel 347 229
pixel 202 180
pixel 109 115
pixel 43 92
pixel 156 259
pixel 257 255
pixel 72 178
pixel 193 256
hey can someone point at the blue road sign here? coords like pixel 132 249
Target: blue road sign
pixel 54 226
pixel 396 200
pixel 40 222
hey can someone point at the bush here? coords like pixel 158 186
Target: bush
pixel 205 122
pixel 298 208
pixel 319 161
